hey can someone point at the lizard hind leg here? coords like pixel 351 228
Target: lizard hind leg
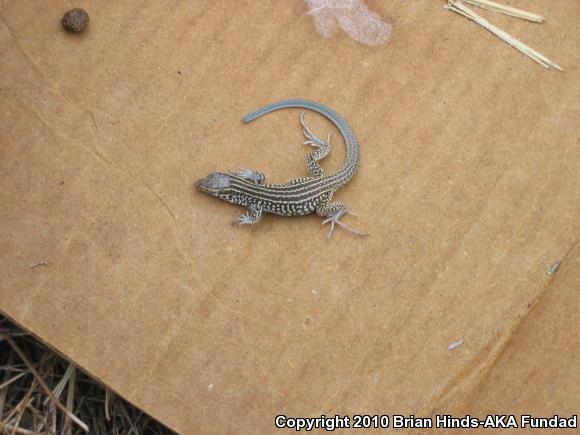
pixel 333 212
pixel 322 146
pixel 321 151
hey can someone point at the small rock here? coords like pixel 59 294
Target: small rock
pixel 75 20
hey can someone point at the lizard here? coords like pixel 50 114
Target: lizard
pixel 299 196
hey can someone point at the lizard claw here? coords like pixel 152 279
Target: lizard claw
pixel 317 143
pixel 245 219
pixel 335 219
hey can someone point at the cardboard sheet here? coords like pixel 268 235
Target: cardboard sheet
pixel 468 185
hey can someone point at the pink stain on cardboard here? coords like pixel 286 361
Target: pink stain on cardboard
pixel 358 21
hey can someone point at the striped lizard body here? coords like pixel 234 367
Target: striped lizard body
pixel 299 196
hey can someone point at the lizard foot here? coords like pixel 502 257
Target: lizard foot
pixel 335 219
pixel 245 219
pixel 253 176
pixel 252 217
pixel 313 140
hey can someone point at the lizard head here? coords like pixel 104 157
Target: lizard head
pixel 216 184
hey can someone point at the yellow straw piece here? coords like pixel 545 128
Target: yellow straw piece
pixel 458 7
pixel 507 10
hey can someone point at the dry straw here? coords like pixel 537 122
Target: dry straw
pixel 507 10
pixel 458 7
pixel 34 382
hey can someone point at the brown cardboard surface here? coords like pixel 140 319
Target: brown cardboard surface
pixel 468 185
pixel 532 367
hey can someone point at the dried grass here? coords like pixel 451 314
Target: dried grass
pixel 507 10
pixel 42 393
pixel 458 7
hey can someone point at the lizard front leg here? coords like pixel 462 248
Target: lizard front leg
pixel 251 218
pixel 250 175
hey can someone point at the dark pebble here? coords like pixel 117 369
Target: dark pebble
pixel 75 20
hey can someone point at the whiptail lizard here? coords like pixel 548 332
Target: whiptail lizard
pixel 299 196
